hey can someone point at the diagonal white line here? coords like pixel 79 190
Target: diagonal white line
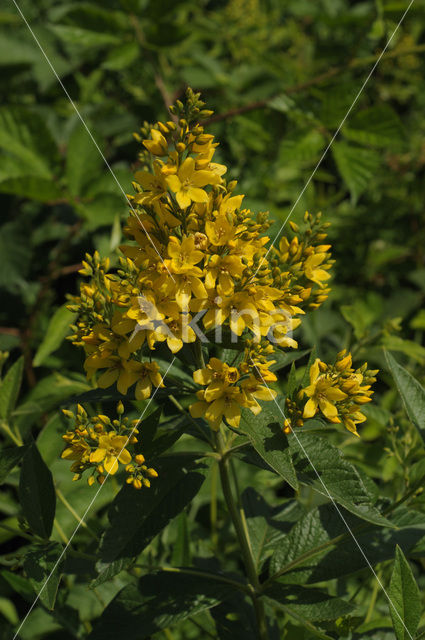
pixel 87 510
pixel 334 136
pixel 89 132
pixel 339 512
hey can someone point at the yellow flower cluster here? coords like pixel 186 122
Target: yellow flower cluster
pixel 337 392
pixel 101 444
pixel 196 253
pixel 228 388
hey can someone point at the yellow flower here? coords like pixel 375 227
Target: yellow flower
pixel 228 405
pixel 154 186
pixel 220 231
pixel 149 375
pixel 158 145
pixel 184 256
pixel 225 268
pixel 252 391
pixel 187 183
pixel 314 271
pixel 110 450
pixel 217 376
pixel 322 394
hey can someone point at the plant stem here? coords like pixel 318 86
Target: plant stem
pixel 75 514
pixel 242 535
pixel 199 573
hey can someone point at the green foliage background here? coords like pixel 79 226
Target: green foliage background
pixel 280 77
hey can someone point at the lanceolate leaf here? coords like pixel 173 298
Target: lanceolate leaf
pixel 9 388
pixel 39 565
pixel 322 466
pixel 138 516
pixel 411 392
pixel 55 334
pixel 311 604
pixel 24 134
pixel 158 601
pixel 270 442
pixel 306 556
pixel 9 457
pixel 37 493
pixel 266 525
pixel 405 601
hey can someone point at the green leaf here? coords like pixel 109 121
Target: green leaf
pixel 266 525
pixel 85 38
pixel 404 597
pixel 83 161
pixel 357 166
pixel 9 388
pixel 15 257
pixel 57 330
pixel 39 565
pixel 311 604
pixel 37 493
pixel 8 459
pixel 24 134
pixel 410 348
pixel 148 428
pixel 136 517
pixel 102 209
pixel 158 601
pixel 32 187
pixel 285 359
pixel 378 126
pixel 268 439
pixel 320 465
pixel 411 392
pixel 308 555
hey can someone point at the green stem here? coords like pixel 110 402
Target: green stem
pixel 202 574
pixel 75 514
pixel 243 538
pixel 6 428
pixel 372 601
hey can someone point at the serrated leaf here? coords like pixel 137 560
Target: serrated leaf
pixel 136 517
pixel 37 493
pixel 83 161
pixel 311 604
pixel 412 393
pixel 268 439
pixel 320 465
pixel 405 600
pixel 357 166
pixel 307 555
pixel 57 330
pixel 39 566
pixel 9 458
pixel 159 600
pixel 379 126
pixel 24 134
pixel 9 388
